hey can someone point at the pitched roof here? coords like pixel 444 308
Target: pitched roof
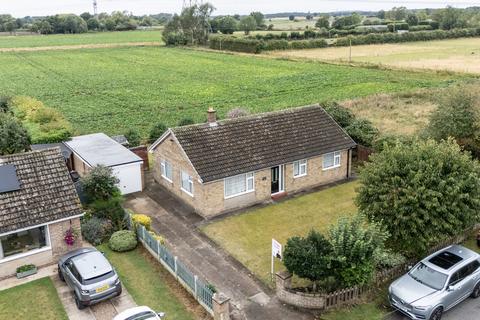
pixel 98 148
pixel 260 141
pixel 46 191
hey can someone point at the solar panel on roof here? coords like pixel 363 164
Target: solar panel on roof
pixel 8 178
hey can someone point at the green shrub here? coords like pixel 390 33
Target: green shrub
pixel 124 240
pixel 362 132
pixel 96 230
pixel 100 184
pixel 14 136
pixel 232 43
pixel 420 28
pixel 110 209
pixel 133 137
pixel 398 26
pixel 4 104
pixel 156 132
pixel 343 116
pixel 185 122
pixel 388 259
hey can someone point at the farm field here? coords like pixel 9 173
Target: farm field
pixel 458 55
pixel 80 39
pixel 113 89
pixel 286 24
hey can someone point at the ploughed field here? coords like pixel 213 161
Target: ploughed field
pixel 458 55
pixel 112 89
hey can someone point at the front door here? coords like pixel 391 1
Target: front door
pixel 277 179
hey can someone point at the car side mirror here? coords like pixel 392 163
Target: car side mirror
pixel 161 315
pixel 409 268
pixel 450 288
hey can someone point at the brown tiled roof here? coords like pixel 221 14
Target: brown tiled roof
pixel 260 141
pixel 46 191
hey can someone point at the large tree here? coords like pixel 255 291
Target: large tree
pixel 421 192
pixel 14 137
pixel 247 24
pixel 457 116
pixel 323 22
pixel 259 18
pixel 191 27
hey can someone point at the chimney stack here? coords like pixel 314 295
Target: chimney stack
pixel 212 117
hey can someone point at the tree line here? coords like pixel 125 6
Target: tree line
pixel 71 23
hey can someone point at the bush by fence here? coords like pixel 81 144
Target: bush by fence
pixel 323 301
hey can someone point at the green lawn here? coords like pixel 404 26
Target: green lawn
pixel 367 311
pixel 83 38
pixel 148 283
pixel 248 236
pixel 112 89
pixel 37 299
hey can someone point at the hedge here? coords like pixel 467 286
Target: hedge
pixel 254 45
pixel 408 37
pixel 230 43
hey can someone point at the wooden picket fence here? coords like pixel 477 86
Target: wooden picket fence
pixel 354 294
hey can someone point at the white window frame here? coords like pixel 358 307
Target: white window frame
pixel 337 160
pixel 250 176
pixel 163 170
pixel 48 245
pixel 301 164
pixel 189 180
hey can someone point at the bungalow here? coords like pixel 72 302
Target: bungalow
pixel 38 205
pixel 225 165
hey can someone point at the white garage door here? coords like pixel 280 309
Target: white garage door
pixel 130 176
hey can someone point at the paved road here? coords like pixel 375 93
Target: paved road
pixel 249 298
pixel 467 310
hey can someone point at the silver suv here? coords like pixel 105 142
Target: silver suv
pixel 89 274
pixel 437 283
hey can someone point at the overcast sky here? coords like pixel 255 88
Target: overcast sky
pixel 20 8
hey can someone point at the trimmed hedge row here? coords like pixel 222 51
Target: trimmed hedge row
pixel 249 45
pixel 257 46
pixel 408 37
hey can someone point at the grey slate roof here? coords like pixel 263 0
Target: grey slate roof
pixel 46 191
pixel 98 148
pixel 66 152
pixel 260 141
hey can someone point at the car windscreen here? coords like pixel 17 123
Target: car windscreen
pixel 98 278
pixel 145 315
pixel 428 276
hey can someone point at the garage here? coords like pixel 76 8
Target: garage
pixel 99 149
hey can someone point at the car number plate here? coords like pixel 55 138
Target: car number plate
pixel 102 289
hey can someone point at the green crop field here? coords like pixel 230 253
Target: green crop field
pixel 79 39
pixel 112 89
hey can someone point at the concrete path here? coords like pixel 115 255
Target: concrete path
pixel 249 298
pixel 105 310
pixel 42 273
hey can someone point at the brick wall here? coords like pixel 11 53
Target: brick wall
pixel 142 152
pixel 57 235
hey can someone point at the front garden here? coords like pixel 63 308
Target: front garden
pixel 37 299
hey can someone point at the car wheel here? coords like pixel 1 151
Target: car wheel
pixel 437 314
pixel 60 274
pixel 79 304
pixel 119 291
pixel 476 291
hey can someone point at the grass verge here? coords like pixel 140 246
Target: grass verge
pixel 37 299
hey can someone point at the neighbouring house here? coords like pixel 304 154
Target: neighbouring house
pixel 99 149
pixel 222 166
pixel 38 205
pixel 66 152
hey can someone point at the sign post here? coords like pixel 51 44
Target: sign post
pixel 276 253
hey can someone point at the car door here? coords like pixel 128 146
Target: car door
pixel 72 275
pixel 460 285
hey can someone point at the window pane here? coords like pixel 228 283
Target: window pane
pixel 250 184
pixel 235 185
pixel 168 170
pixel 296 168
pixel 328 160
pixel 187 183
pixel 23 241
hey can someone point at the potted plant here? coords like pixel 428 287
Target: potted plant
pixel 70 236
pixel 26 270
